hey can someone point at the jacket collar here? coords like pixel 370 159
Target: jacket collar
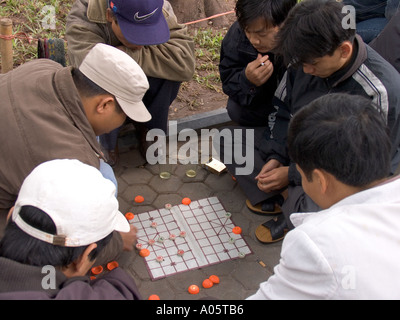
pixel 359 56
pixel 388 189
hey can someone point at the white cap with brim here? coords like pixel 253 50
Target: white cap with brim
pixel 117 73
pixel 76 196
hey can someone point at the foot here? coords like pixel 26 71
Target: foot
pixel 270 206
pixel 272 231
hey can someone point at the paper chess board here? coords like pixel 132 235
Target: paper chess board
pixel 187 237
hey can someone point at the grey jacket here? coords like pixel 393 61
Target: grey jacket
pixel 23 282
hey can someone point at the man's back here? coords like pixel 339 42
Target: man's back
pixel 42 119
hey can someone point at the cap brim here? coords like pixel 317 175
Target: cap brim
pixel 137 111
pixel 144 35
pixel 121 224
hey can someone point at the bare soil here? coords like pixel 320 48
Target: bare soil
pixel 195 97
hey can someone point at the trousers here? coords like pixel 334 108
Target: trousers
pixel 157 99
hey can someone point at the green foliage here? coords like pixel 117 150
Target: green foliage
pixel 31 18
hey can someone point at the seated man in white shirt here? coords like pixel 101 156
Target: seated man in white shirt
pixel 350 249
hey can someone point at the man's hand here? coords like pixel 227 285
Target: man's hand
pixel 259 71
pixel 129 238
pixel 273 176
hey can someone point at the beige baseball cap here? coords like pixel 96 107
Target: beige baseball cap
pixel 117 73
pixel 76 196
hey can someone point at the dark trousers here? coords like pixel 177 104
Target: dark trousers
pixel 247 182
pixel 157 99
pixel 247 117
pixel 297 201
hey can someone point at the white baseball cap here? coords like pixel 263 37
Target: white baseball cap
pixel 117 73
pixel 81 203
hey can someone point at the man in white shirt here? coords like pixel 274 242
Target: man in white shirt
pixel 350 249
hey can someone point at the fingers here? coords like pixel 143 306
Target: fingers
pixel 260 70
pixel 129 238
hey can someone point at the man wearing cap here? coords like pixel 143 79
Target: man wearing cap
pixel 50 112
pixel 148 31
pixel 65 214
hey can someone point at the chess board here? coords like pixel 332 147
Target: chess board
pixel 201 236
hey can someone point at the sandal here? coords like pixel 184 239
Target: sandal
pixel 269 207
pixel 272 231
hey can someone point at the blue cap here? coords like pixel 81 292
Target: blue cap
pixel 142 22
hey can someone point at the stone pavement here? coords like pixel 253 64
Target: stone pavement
pixel 239 278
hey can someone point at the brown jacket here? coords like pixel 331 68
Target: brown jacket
pixel 42 118
pixel 87 25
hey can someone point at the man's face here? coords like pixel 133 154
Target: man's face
pixel 109 120
pixel 114 120
pixel 118 33
pixel 261 36
pixel 327 65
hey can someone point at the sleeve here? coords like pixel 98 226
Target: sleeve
pixel 274 145
pixel 232 70
pixel 303 272
pixel 81 34
pixel 114 285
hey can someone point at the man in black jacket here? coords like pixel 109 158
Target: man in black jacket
pixel 323 58
pixel 249 71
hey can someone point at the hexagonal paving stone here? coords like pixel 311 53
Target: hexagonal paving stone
pixel 170 185
pixel 222 182
pixel 143 190
pixel 195 191
pixel 162 199
pixel 136 175
pixel 250 274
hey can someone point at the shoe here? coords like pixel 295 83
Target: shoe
pixel 268 207
pixel 272 231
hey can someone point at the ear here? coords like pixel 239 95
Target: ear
pixel 109 16
pixel 10 214
pixel 81 266
pixel 321 177
pixel 105 104
pixel 346 49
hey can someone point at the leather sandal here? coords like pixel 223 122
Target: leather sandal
pixel 268 207
pixel 272 231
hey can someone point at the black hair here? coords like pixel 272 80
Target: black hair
pixel 18 246
pixel 87 88
pixel 313 29
pixel 344 135
pixel 273 11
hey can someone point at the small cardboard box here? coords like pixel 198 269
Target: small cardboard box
pixel 215 166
